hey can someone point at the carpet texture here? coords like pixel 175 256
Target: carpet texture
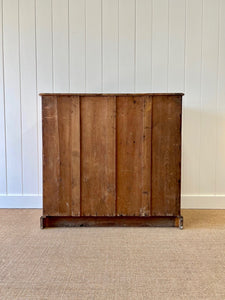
pixel 112 263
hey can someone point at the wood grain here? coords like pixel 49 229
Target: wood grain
pixel 69 149
pixel 51 159
pixel 75 156
pixel 61 156
pixel 133 155
pixel 98 188
pixel 166 155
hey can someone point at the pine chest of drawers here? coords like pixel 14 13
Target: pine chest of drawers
pixel 111 159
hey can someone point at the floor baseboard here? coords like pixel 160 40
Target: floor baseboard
pixel 187 201
pixel 21 201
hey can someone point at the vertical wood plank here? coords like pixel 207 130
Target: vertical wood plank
pixel 143 46
pixel 3 184
pixel 126 45
pixel 209 96
pixel 28 96
pixel 69 155
pixel 166 155
pixel 160 46
pixel 77 45
pixel 98 191
pixel 75 156
pixel 220 142
pixel 12 96
pixel 192 98
pixel 133 155
pixel 93 46
pixel 61 155
pixel 51 156
pixel 44 65
pixel 176 46
pixel 110 46
pixel 60 46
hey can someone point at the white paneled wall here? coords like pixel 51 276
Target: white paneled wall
pixel 112 46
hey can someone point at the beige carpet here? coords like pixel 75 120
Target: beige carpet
pixel 112 263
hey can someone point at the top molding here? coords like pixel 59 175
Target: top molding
pixel 112 94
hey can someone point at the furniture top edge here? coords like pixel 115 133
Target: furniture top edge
pixel 112 94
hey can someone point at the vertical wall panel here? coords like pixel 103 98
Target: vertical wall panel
pixel 160 46
pixel 126 45
pixel 220 131
pixel 44 64
pixel 143 46
pixel 192 100
pixel 60 45
pixel 12 96
pixel 3 184
pixel 209 96
pixel 176 45
pixel 110 45
pixel 77 45
pixel 93 46
pixel 28 96
pixel 44 46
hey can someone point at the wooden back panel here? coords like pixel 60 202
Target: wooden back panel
pixel 111 155
pixel 61 156
pixel 133 155
pixel 98 172
pixel 166 155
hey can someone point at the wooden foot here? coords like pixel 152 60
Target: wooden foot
pixel 181 226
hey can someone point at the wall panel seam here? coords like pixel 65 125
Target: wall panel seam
pixel 135 41
pixel 37 112
pixel 201 92
pixel 185 97
pixel 168 46
pixel 68 36
pixel 3 78
pixel 85 45
pixel 102 45
pixel 151 41
pixel 118 55
pixel 21 115
pixel 52 42
pixel 217 89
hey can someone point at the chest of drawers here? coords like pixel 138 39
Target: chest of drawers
pixel 111 159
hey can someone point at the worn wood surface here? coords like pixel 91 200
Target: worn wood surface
pixel 75 156
pixel 111 156
pixel 133 155
pixel 166 155
pixel 98 173
pixel 61 156
pixel 51 160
